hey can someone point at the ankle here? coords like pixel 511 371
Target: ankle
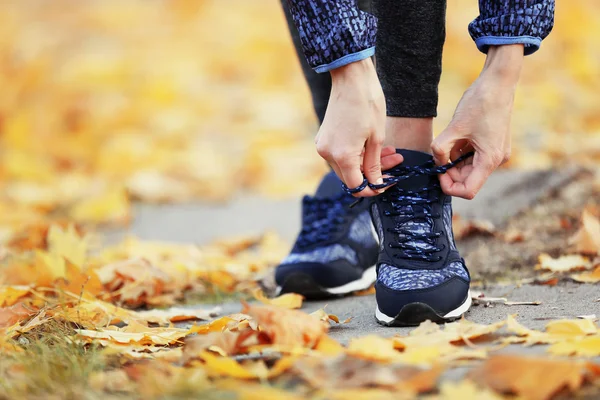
pixel 409 133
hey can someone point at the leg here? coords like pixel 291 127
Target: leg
pixel 410 39
pixel 319 84
pixel 420 274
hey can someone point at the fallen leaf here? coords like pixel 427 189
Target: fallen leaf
pixel 465 228
pixel 523 376
pixel 465 390
pixel 14 314
pixel 374 348
pixel 582 347
pixel 288 300
pixel 9 295
pixel 571 327
pixel 587 239
pixel 177 314
pixel 588 277
pixel 563 263
pixel 286 327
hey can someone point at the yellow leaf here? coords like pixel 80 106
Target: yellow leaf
pixel 583 347
pixel 563 263
pixel 588 277
pixel 523 375
pixel 329 346
pixel 68 244
pixel 222 366
pixel 587 239
pixel 373 347
pixel 288 300
pixel 215 326
pixel 465 390
pixel 9 295
pixel 110 207
pixel 571 327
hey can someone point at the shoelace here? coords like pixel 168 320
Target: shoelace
pixel 411 205
pixel 322 218
pixel 401 173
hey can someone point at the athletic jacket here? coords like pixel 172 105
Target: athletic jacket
pixel 335 32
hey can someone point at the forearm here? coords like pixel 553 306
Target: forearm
pixel 504 22
pixel 333 33
pixel 504 63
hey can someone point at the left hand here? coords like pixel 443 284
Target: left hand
pixel 481 123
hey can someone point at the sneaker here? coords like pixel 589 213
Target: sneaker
pixel 420 275
pixel 337 248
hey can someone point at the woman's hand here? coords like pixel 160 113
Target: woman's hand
pixel 352 134
pixel 481 123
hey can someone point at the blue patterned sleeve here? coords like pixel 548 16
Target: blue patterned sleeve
pixel 333 32
pixel 503 22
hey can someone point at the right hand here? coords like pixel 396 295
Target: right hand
pixel 352 134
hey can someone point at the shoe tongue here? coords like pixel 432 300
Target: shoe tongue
pixel 414 158
pixel 419 226
pixel 330 186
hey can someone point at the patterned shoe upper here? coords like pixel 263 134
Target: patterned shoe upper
pixel 334 237
pixel 414 218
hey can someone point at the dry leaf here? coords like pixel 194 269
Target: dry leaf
pixel 532 378
pixel 177 314
pixel 563 263
pixel 286 327
pixel 465 390
pixel 587 238
pixel 588 277
pixel 288 300
pixel 582 347
pixel 465 228
pixel 373 348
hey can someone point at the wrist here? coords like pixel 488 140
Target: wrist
pixel 355 71
pixel 504 63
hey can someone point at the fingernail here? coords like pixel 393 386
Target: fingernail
pixel 379 182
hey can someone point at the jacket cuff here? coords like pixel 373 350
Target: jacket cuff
pixel 345 60
pixel 532 44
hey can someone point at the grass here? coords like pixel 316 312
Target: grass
pixel 51 366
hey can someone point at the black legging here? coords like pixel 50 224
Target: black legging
pixel 410 40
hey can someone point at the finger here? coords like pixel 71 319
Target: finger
pixel 442 146
pixel 389 162
pixel 388 151
pixel 372 162
pixel 352 175
pixel 459 149
pixel 468 189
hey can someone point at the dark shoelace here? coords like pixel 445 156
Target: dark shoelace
pixel 400 173
pixel 411 205
pixel 322 218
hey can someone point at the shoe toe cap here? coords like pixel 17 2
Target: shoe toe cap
pixel 442 298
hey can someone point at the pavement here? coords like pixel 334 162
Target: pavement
pixel 506 194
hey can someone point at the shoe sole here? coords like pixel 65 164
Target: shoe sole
pixel 305 285
pixel 415 313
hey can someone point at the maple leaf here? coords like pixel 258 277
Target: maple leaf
pixel 286 327
pixel 463 229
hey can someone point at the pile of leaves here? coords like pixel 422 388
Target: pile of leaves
pixel 95 312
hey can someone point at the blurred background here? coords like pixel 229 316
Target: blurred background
pixel 106 101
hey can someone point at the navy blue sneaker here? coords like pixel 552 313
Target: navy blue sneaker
pixel 337 248
pixel 420 275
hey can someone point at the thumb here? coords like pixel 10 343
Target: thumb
pixel 443 144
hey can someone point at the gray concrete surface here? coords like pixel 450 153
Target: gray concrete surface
pixel 506 193
pixel 563 301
